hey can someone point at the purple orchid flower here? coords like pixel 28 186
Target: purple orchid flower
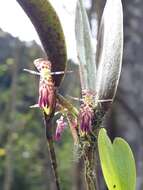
pixel 86 115
pixel 61 125
pixel 46 99
pixel 86 111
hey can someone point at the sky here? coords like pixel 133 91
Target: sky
pixel 14 20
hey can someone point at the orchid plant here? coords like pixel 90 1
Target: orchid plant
pixel 99 71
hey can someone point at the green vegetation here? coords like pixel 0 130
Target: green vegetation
pixel 24 162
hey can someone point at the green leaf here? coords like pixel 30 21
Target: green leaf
pixel 117 162
pixel 85 48
pixel 109 50
pixel 49 29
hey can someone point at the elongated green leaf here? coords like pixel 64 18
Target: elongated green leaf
pixel 49 29
pixel 84 48
pixel 117 162
pixel 110 48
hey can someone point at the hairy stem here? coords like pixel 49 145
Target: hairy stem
pixel 49 136
pixel 90 167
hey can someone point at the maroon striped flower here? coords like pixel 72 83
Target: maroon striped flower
pixel 86 111
pixel 46 99
pixel 86 115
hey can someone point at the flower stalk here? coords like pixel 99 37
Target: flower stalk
pixel 49 136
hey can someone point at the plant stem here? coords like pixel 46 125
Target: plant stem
pixel 53 162
pixel 49 136
pixel 90 169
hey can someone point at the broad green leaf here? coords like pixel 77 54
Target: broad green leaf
pixel 109 50
pixel 49 29
pixel 117 162
pixel 85 48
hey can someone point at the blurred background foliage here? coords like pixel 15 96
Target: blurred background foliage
pixel 24 160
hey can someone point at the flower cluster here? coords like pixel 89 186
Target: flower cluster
pixel 86 111
pixel 47 101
